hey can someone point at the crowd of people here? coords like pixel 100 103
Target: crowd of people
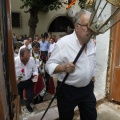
pixel 33 54
pixel 50 56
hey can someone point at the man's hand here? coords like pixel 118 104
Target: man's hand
pixel 69 67
pixel 35 78
pixel 93 79
pixel 17 81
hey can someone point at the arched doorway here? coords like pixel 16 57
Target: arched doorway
pixel 60 24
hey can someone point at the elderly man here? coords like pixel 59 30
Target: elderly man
pixel 30 43
pixel 25 68
pixel 78 88
pixel 26 43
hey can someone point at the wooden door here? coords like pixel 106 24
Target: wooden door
pixel 115 71
pixel 9 99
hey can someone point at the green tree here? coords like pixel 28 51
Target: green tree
pixel 34 6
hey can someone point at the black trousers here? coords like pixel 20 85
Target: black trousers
pixel 68 97
pixel 47 77
pixel 44 56
pixel 28 85
pixel 45 52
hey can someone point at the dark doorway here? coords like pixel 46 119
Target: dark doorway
pixel 60 24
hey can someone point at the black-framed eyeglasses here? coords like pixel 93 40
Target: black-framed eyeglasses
pixel 82 25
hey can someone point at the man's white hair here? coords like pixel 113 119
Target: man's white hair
pixel 77 16
pixel 25 41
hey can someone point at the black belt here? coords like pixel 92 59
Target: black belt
pixel 59 82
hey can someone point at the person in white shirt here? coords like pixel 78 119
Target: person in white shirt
pixel 14 39
pixel 15 54
pixel 25 68
pixel 30 43
pixel 51 47
pixel 36 39
pixel 26 43
pixel 35 53
pixel 78 88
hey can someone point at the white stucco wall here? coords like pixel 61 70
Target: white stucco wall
pixel 102 48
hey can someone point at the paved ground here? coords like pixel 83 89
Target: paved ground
pixel 106 111
pixel 39 110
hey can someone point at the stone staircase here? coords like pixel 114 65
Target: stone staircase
pixel 38 110
pixel 106 111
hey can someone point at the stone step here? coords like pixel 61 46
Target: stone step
pixel 106 111
pixel 38 111
pixel 42 106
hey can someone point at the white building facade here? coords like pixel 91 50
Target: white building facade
pixel 45 19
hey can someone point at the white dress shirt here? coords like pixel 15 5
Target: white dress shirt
pixel 15 54
pixel 30 46
pixel 66 50
pixel 29 69
pixel 51 47
pixel 36 58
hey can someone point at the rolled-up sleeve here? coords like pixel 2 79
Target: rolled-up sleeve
pixel 54 60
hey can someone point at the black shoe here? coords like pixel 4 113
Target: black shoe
pixel 29 108
pixel 35 101
pixel 40 99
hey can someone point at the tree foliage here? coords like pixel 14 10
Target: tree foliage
pixel 42 5
pixel 34 6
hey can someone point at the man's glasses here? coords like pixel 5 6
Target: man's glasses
pixel 82 25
